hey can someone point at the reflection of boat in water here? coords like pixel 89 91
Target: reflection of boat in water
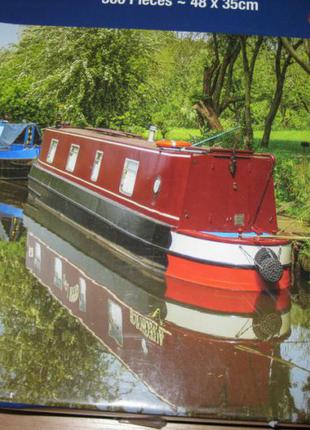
pixel 199 215
pixel 11 222
pixel 197 359
pixel 19 146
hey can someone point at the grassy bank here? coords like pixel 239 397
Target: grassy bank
pixel 283 143
pixel 286 143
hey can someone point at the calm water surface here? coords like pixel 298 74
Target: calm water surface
pixel 82 327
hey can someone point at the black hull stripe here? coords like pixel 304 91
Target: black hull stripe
pixel 94 214
pixel 86 216
pixel 141 226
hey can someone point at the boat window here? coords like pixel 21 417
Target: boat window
pixel 58 273
pixel 129 176
pixel 115 318
pixel 37 256
pixel 96 166
pixel 82 298
pixel 52 151
pixel 157 185
pixel 73 155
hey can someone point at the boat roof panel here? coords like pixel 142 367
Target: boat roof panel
pixel 106 135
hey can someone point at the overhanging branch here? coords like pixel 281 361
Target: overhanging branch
pixel 292 51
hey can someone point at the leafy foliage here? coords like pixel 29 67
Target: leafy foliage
pixel 129 79
pixel 292 177
pixel 46 355
pixel 81 76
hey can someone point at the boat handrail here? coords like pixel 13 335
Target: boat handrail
pixel 116 133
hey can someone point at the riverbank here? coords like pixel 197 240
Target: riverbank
pixel 299 232
pixel 293 227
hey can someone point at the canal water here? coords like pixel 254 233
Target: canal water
pixel 80 327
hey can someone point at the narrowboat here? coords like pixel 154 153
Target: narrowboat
pixel 225 357
pixel 19 146
pixel 205 216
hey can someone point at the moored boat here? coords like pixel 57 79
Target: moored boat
pixel 205 216
pixel 19 146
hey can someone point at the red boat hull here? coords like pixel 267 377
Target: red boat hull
pixel 203 275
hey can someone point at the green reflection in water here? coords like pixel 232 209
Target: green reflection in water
pixel 300 313
pixel 45 353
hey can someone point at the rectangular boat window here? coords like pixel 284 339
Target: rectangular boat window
pixel 37 256
pixel 73 155
pixel 52 151
pixel 82 296
pixel 96 166
pixel 129 176
pixel 115 318
pixel 58 273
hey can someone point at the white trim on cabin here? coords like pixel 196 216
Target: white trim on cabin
pixel 52 151
pixel 139 148
pixel 153 211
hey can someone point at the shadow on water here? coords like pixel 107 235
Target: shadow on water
pixel 81 328
pixel 13 192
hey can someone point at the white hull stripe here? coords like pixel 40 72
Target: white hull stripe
pixel 229 254
pixel 139 148
pixel 64 176
pixel 219 325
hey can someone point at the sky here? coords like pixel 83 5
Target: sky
pixel 9 33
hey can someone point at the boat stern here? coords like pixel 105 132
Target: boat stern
pixel 233 262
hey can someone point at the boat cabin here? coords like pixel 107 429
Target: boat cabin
pixel 200 189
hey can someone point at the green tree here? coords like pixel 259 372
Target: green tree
pixel 129 79
pixel 282 62
pixel 83 76
pixel 172 78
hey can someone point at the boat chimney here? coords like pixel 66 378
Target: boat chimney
pixel 152 131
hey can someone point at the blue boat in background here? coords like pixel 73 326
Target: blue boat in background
pixel 19 146
pixel 11 222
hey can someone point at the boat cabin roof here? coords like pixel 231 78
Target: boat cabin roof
pixel 107 135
